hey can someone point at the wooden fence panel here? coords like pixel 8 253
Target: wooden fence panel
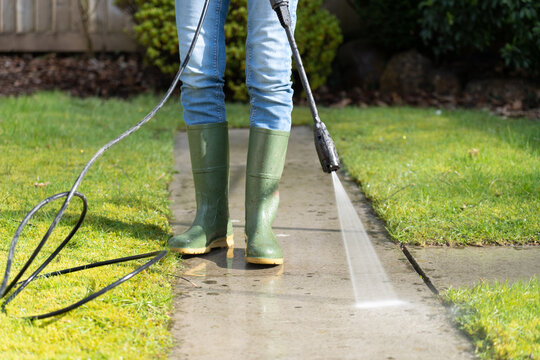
pixel 44 15
pixel 62 15
pixel 98 16
pixel 75 20
pixel 56 25
pixel 117 19
pixel 25 16
pixel 7 18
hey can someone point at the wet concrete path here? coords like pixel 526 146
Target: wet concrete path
pixel 305 308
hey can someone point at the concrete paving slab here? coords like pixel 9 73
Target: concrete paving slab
pixel 467 266
pixel 305 308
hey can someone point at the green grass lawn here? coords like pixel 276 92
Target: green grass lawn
pixel 46 139
pixel 503 320
pixel 455 178
pixel 458 178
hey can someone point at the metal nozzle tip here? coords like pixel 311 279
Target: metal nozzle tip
pixel 326 149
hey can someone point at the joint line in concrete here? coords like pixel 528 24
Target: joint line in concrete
pixel 418 269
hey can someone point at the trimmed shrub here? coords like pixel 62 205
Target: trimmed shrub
pixel 156 32
pixel 510 27
pixel 318 36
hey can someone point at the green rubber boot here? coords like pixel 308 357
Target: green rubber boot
pixel 266 158
pixel 212 228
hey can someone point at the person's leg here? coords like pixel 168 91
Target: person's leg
pixel 204 113
pixel 268 77
pixel 202 81
pixel 268 67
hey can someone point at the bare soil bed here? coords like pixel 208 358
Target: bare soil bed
pixel 103 76
pixel 125 75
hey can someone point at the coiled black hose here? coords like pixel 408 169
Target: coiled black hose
pixel 6 288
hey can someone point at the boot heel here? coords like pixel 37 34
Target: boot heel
pixel 227 242
pixel 264 261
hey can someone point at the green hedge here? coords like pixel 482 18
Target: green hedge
pixel 510 27
pixel 318 35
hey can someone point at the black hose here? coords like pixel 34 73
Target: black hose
pixel 156 256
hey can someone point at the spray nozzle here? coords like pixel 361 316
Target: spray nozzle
pixel 326 149
pixel 324 144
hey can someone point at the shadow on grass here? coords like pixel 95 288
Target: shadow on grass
pixel 522 133
pixel 94 223
pixel 137 230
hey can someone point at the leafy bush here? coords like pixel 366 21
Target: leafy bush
pixel 511 27
pixel 457 27
pixel 390 24
pixel 156 32
pixel 318 35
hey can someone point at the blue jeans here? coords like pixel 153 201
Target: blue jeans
pixel 268 64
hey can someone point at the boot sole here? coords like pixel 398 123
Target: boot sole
pixel 264 261
pixel 225 242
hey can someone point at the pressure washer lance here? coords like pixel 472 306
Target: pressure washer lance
pixel 324 144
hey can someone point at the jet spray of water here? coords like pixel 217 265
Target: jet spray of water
pixel 371 286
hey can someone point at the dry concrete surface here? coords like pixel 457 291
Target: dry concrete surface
pixel 303 309
pixel 452 267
